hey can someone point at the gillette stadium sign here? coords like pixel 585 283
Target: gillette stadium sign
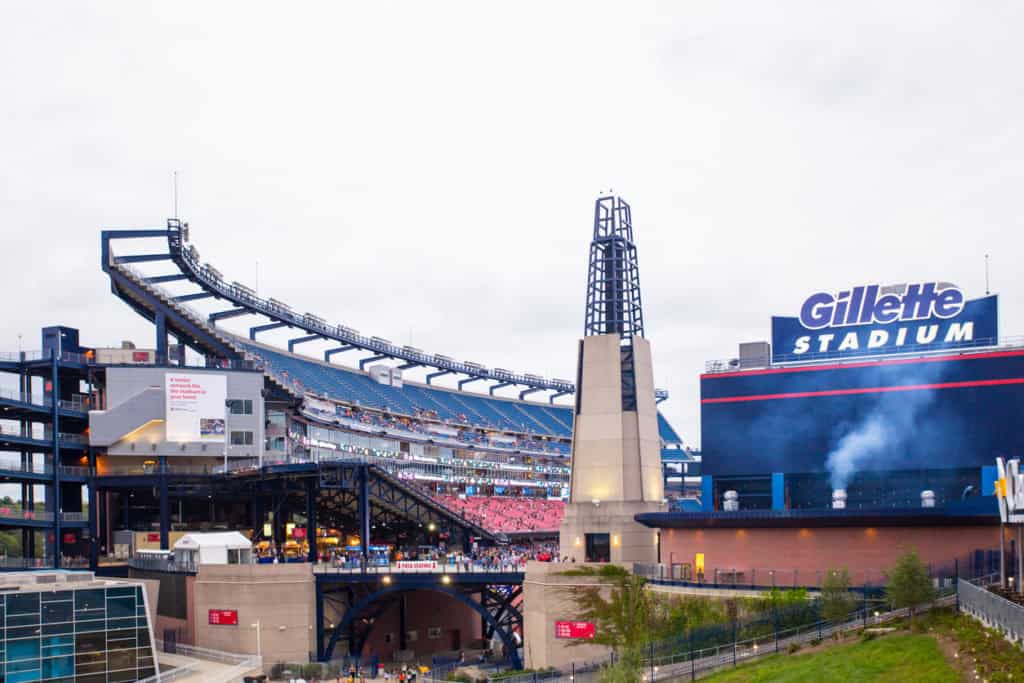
pixel 879 320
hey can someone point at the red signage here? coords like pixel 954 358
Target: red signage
pixel 152 538
pixel 140 356
pixel 299 532
pixel 574 629
pixel 69 538
pixel 224 617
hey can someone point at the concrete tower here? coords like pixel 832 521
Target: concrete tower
pixel 616 450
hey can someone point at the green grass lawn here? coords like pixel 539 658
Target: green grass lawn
pixel 903 658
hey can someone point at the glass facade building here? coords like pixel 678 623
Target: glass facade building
pixel 81 631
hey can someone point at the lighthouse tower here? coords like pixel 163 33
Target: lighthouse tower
pixel 616 450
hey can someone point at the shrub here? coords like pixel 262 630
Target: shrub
pixel 868 635
pixel 816 642
pixel 459 677
pixel 277 670
pixel 793 648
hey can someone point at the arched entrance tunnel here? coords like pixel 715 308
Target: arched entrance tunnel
pixel 422 614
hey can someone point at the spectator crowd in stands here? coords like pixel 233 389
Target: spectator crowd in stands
pixel 507 515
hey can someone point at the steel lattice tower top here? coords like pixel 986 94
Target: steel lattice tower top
pixel 613 280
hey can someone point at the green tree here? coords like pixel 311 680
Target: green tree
pixel 836 599
pixel 909 584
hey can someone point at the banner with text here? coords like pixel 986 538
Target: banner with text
pixel 196 407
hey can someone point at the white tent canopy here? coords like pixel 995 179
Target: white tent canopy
pixel 222 547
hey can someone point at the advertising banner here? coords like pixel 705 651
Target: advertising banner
pixel 196 408
pixel 223 617
pixel 871 320
pixel 575 629
pixel 417 564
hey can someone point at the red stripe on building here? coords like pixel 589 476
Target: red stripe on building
pixel 867 390
pixel 863 364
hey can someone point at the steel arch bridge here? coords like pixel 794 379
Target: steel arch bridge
pixel 364 596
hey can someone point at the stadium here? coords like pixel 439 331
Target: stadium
pixel 353 503
pixel 114 455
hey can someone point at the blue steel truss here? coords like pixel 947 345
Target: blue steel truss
pixel 245 302
pixel 613 279
pixel 498 592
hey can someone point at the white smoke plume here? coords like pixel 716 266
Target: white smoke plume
pixel 888 431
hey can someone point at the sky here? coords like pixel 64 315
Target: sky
pixel 426 172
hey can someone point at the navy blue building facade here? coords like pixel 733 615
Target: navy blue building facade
pixel 784 437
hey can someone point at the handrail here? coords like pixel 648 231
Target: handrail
pixel 721 366
pixel 187 259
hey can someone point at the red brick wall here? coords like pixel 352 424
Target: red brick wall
pixel 425 609
pixel 865 552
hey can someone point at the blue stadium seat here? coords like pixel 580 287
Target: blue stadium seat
pixel 358 388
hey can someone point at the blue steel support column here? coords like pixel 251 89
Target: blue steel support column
pixel 161 337
pixel 264 328
pixel 94 527
pixel 988 480
pixel 55 401
pixel 292 343
pixel 551 400
pixel 165 507
pixel 778 491
pixel 319 620
pixel 499 385
pixel 364 511
pixel 442 373
pixel 707 494
pixel 181 351
pixel 401 622
pixel 311 553
pixel 464 382
pixel 526 392
pixel 372 359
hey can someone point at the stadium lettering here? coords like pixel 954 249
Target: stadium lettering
pixel 875 339
pixel 864 305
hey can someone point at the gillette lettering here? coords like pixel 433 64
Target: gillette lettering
pixel 863 305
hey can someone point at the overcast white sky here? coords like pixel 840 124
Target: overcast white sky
pixel 427 170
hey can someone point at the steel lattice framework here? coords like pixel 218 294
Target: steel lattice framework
pixel 613 280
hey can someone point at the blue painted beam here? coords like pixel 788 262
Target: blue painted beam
pixel 408 366
pixel 132 234
pixel 551 400
pixel 464 382
pixel 292 343
pixel 192 297
pixel 526 392
pixel 158 279
pixel 371 359
pixel 778 491
pixel 707 493
pixel 495 387
pixel 230 313
pixel 143 258
pixel 432 375
pixel 338 349
pixel 264 328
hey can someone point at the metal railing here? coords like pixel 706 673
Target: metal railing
pixel 718 366
pixel 43 468
pixel 992 610
pixel 18 512
pixel 162 564
pixel 439 568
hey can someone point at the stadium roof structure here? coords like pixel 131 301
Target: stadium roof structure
pixel 171 315
pixel 245 302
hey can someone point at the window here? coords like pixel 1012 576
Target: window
pixel 598 547
pixel 241 438
pixel 240 406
